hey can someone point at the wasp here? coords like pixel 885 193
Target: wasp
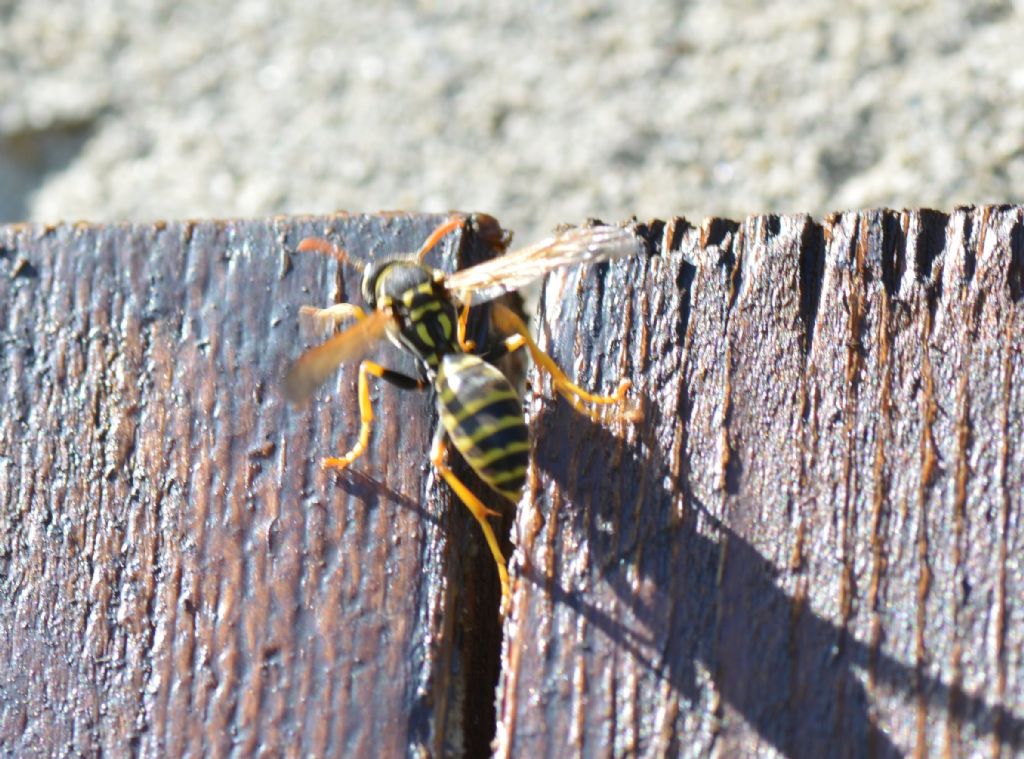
pixel 425 311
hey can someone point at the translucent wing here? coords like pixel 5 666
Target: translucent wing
pixel 314 366
pixel 490 279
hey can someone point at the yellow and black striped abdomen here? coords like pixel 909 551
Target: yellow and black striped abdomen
pixel 484 419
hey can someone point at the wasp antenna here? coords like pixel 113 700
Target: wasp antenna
pixel 456 222
pixel 320 245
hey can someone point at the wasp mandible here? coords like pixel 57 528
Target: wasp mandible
pixel 424 311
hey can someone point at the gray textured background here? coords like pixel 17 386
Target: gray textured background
pixel 538 112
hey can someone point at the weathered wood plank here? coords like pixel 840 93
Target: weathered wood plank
pixel 811 543
pixel 177 573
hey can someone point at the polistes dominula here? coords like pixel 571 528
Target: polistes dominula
pixel 424 311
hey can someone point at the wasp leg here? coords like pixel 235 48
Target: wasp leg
pixel 508 322
pixel 436 236
pixel 464 343
pixel 367 368
pixel 477 509
pixel 335 314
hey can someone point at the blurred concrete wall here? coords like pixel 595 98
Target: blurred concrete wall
pixel 539 112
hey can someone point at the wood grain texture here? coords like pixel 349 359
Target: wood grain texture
pixel 177 573
pixel 811 544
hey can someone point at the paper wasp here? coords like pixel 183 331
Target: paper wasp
pixel 424 311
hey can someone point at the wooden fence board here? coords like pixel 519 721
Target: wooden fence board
pixel 177 573
pixel 810 544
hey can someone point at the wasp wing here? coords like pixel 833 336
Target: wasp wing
pixel 314 366
pixel 503 274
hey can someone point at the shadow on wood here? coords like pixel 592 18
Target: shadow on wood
pixel 807 544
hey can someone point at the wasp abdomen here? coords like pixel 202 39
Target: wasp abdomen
pixel 484 419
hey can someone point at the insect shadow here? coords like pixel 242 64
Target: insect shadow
pixel 371 492
pixel 794 676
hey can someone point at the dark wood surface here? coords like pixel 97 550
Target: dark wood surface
pixel 177 573
pixel 811 545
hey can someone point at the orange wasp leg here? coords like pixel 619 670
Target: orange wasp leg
pixel 464 343
pixel 365 417
pixel 507 321
pixel 335 314
pixel 367 368
pixel 479 512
